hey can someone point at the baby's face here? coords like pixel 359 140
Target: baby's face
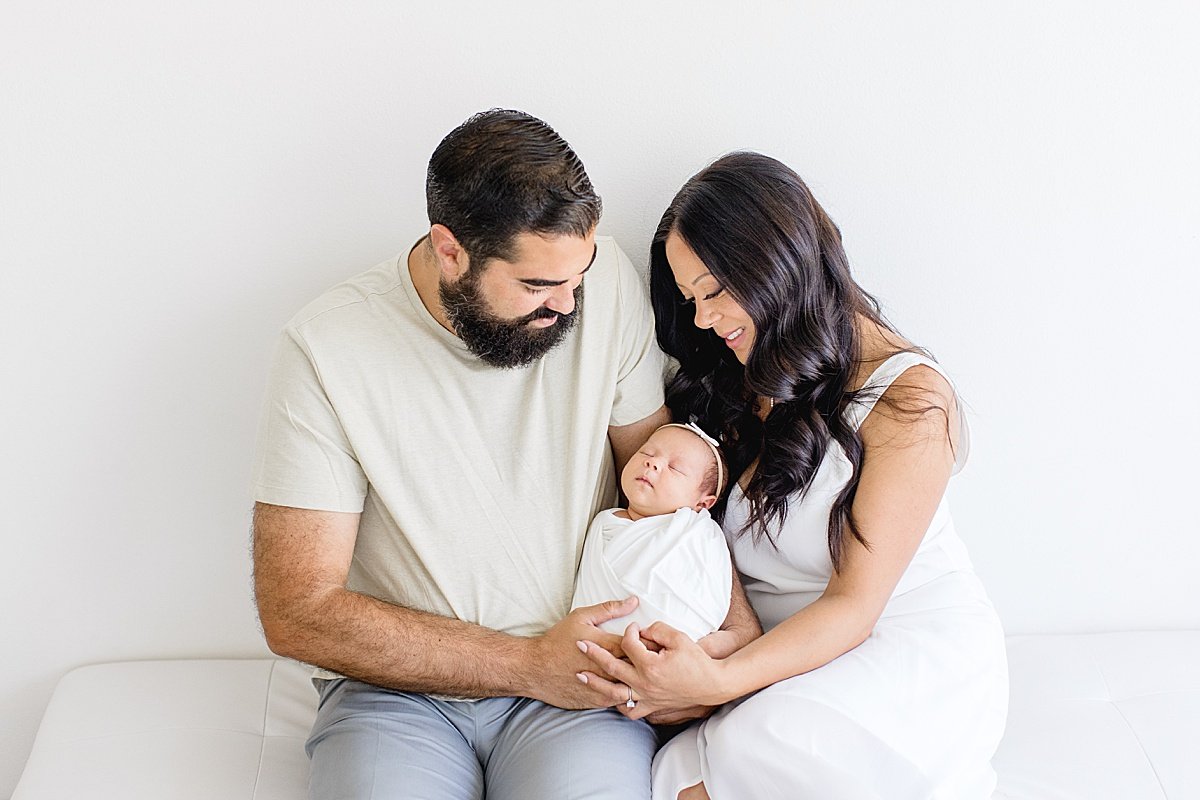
pixel 667 473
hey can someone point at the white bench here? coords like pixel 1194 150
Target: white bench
pixel 1092 716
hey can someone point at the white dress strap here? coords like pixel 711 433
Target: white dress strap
pixel 886 374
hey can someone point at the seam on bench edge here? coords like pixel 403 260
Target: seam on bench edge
pixel 1132 730
pixel 262 749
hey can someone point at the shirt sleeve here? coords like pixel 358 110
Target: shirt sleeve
pixel 642 364
pixel 303 457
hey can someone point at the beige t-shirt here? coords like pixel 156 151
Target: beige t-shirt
pixel 476 484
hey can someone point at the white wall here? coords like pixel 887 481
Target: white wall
pixel 1017 182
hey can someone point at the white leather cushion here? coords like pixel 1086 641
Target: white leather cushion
pixel 198 729
pixel 1114 715
pixel 1091 717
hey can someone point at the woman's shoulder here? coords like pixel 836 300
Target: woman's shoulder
pixel 907 393
pixel 914 379
pixel 912 369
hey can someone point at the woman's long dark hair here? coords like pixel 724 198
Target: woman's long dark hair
pixel 762 235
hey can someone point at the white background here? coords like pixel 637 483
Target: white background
pixel 1018 182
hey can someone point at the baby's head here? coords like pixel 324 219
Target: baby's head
pixel 678 467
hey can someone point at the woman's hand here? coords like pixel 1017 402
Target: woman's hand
pixel 680 681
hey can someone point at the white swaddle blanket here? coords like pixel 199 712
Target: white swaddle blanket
pixel 677 564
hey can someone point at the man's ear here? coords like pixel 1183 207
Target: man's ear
pixel 452 260
pixel 706 502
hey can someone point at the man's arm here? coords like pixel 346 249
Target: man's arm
pixel 301 561
pixel 741 625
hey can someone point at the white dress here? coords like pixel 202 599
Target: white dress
pixel 914 712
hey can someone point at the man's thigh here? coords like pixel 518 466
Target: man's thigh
pixel 368 742
pixel 546 752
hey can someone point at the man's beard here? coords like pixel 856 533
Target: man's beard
pixel 500 342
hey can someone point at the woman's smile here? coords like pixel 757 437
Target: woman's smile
pixel 734 338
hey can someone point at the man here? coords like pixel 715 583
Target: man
pixel 438 433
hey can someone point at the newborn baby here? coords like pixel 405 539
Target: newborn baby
pixel 664 547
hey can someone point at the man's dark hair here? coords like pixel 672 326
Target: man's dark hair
pixel 502 173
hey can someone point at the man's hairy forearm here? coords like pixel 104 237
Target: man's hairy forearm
pixel 301 559
pixel 300 563
pixel 370 640
pixel 741 626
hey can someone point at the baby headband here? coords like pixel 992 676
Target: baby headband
pixel 712 443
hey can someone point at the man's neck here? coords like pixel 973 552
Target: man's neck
pixel 425 277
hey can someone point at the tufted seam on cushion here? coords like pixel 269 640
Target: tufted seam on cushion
pixel 171 729
pixel 262 749
pixel 1136 737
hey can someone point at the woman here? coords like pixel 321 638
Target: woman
pixel 882 671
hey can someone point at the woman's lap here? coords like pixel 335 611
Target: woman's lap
pixel 920 705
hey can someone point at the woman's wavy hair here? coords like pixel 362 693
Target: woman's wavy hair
pixel 762 235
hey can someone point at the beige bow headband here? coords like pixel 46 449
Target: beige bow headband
pixel 712 443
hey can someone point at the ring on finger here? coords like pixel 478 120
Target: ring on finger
pixel 630 703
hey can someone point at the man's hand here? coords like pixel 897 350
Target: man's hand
pixel 722 644
pixel 556 661
pixel 668 716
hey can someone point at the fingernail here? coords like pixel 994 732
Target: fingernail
pixel 581 676
pixel 582 646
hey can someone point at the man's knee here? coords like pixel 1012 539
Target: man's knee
pixel 549 752
pixel 367 742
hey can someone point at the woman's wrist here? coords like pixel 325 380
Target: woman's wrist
pixel 741 674
pixel 728 685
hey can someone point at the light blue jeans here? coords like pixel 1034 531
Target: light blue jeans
pixel 369 742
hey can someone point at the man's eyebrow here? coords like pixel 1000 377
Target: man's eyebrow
pixel 544 282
